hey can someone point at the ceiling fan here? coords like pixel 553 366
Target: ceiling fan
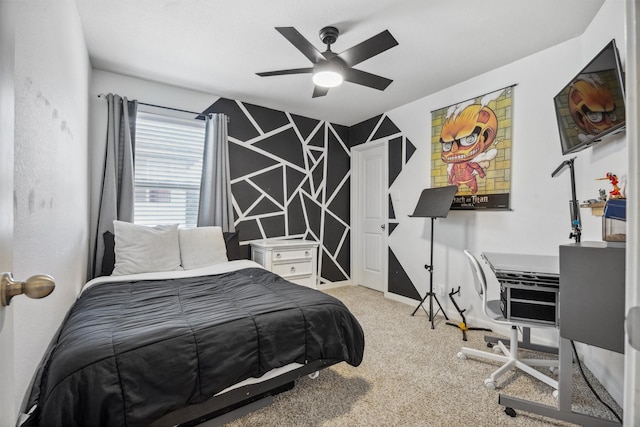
pixel 330 69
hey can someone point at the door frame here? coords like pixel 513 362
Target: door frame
pixel 8 400
pixel 356 156
pixel 632 279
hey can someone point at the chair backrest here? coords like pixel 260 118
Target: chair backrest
pixel 479 279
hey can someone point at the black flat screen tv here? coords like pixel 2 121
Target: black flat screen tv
pixel 592 105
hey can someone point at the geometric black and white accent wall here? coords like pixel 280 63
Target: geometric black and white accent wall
pixel 290 177
pixel 400 150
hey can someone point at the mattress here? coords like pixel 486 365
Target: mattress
pixel 133 348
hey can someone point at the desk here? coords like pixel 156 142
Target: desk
pixel 581 272
pixel 545 267
pixel 592 277
pixel 529 286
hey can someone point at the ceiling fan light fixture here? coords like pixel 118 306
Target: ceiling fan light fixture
pixel 327 74
pixel 327 78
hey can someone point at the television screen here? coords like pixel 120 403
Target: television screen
pixel 592 106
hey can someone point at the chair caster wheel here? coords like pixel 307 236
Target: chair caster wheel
pixel 510 411
pixel 553 370
pixel 314 375
pixel 497 349
pixel 489 384
pixel 490 344
pixel 462 356
pixel 555 394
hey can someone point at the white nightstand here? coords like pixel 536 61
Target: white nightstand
pixel 294 259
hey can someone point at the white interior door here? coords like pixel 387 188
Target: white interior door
pixel 8 410
pixel 371 217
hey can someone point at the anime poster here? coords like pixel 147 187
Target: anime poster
pixel 471 148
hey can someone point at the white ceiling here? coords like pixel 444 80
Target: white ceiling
pixel 218 46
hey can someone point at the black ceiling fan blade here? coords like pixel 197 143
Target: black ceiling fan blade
pixel 285 72
pixel 302 44
pixel 366 79
pixel 368 48
pixel 320 91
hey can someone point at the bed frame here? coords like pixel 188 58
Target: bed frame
pixel 223 408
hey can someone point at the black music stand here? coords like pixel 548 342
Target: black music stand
pixel 433 203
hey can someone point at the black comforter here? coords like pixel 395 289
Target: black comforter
pixel 129 352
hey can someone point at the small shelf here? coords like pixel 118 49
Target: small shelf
pixel 597 209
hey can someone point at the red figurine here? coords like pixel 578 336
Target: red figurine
pixel 613 179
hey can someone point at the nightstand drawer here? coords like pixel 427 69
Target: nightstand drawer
pixel 293 259
pixel 292 269
pixel 286 254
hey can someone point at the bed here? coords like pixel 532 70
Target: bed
pixel 147 348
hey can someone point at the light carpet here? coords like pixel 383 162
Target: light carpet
pixel 411 376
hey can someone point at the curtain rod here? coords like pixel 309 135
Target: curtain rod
pixel 102 95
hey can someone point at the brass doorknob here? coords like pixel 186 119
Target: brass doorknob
pixel 38 286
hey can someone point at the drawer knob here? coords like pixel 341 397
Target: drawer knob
pixel 293 269
pixel 306 253
pixel 278 255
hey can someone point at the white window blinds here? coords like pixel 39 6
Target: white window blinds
pixel 168 168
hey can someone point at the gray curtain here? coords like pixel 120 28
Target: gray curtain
pixel 215 188
pixel 116 196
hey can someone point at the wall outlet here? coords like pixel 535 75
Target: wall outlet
pixel 440 289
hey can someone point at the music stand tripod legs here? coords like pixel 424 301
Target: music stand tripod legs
pixel 431 295
pixel 433 203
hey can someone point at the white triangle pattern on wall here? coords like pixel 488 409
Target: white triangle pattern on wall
pixel 310 193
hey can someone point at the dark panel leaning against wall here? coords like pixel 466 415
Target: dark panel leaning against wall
pixel 290 177
pixel 400 150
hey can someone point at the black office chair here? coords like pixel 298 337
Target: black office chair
pixel 509 355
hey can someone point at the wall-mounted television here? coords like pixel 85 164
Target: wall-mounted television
pixel 592 105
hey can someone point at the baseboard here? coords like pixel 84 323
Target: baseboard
pixel 414 303
pixel 402 299
pixel 600 362
pixel 331 285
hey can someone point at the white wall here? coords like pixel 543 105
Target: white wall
pixel 102 83
pixel 51 179
pixel 539 220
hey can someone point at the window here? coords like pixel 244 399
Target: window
pixel 168 169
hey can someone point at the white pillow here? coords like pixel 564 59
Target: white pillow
pixel 201 247
pixel 143 249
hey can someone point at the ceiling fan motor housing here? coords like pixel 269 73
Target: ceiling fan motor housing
pixel 329 35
